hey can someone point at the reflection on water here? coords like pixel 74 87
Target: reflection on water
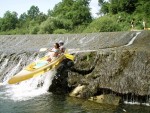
pixel 91 107
pixel 49 103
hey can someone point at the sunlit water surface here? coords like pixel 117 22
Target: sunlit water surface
pixel 50 103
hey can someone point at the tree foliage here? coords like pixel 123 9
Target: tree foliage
pixel 33 12
pixel 9 21
pixel 77 12
pixel 103 24
pixel 73 16
pixel 128 6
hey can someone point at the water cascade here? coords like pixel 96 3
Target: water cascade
pixel 132 40
pixel 27 89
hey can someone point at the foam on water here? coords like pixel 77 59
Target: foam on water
pixel 30 88
pixel 136 103
pixel 11 73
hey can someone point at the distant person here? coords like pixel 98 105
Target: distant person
pixel 132 24
pixel 144 24
pixel 62 48
pixel 54 52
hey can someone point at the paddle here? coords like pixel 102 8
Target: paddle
pixel 43 49
pixel 1 84
pixel 69 56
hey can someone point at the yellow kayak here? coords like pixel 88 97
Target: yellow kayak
pixel 37 68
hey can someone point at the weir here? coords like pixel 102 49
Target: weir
pixel 132 40
pixel 106 63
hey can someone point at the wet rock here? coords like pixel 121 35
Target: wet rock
pixel 123 70
pixel 59 83
pixel 106 99
pixel 76 92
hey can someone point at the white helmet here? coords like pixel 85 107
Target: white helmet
pixel 61 42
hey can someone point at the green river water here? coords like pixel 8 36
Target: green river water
pixel 50 103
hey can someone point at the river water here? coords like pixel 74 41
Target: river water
pixel 26 97
pixel 49 103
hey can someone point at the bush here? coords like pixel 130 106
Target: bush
pixel 46 27
pixel 34 30
pixel 79 29
pixel 15 31
pixel 103 24
pixel 60 31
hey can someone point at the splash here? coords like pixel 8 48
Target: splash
pixel 24 90
pixel 30 88
pixel 136 103
pixel 11 73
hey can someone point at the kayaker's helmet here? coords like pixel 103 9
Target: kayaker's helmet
pixel 61 42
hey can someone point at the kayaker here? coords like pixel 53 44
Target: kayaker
pixel 53 53
pixel 62 48
pixel 132 24
pixel 144 24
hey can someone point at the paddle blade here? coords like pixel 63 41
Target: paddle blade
pixel 71 57
pixel 1 84
pixel 43 49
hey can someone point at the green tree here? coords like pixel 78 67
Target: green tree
pixel 33 12
pixel 116 6
pixel 41 17
pixel 143 6
pixel 104 6
pixel 47 27
pixel 9 21
pixel 128 6
pixel 81 12
pixel 75 12
pixel 22 20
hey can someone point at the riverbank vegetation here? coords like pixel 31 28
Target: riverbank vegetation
pixel 73 16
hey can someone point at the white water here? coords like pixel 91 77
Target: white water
pixel 136 103
pixel 28 89
pixel 132 40
pixel 4 64
pixel 11 73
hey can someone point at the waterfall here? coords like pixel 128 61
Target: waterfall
pixel 30 88
pixel 11 72
pixel 132 40
pixel 26 89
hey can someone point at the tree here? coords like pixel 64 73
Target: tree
pixel 76 12
pixel 41 17
pixel 22 20
pixel 104 7
pixel 128 6
pixel 50 12
pixel 143 7
pixel 23 17
pixel 116 6
pixel 33 12
pixel 100 2
pixel 9 21
pixel 81 12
